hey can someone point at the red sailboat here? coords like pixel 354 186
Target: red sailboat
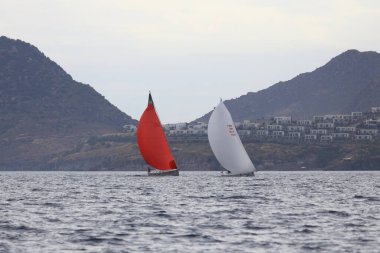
pixel 153 144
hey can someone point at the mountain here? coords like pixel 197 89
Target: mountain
pixel 349 82
pixel 43 110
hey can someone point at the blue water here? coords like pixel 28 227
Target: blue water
pixel 195 212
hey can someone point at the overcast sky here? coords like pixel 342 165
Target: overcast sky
pixel 189 53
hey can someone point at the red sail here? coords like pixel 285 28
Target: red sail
pixel 152 141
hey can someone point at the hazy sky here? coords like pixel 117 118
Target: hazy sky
pixel 189 53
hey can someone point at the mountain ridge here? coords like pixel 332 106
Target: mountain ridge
pixel 44 111
pixel 348 82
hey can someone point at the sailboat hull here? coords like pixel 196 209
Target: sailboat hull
pixel 160 173
pixel 250 174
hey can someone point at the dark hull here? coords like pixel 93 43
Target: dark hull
pixel 162 173
pixel 251 174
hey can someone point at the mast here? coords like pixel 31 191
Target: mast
pixel 150 99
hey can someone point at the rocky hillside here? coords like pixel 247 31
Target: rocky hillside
pixel 43 110
pixel 348 82
pixel 120 152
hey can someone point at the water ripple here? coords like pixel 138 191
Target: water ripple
pixel 195 212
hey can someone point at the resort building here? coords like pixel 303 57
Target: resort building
pixel 283 120
pixel 318 131
pixel 296 135
pixel 325 125
pixel 296 128
pixel 326 138
pixel 274 127
pixel 363 137
pixel 340 135
pixel 349 129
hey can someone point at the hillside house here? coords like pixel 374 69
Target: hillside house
pixel 362 137
pixel 294 135
pixel 318 118
pixel 199 125
pixel 176 126
pixel 326 138
pixel 283 120
pixel 372 122
pixel 337 116
pixel 244 132
pixel 247 124
pixel 262 132
pixel 318 131
pixel 277 133
pixel 130 128
pixel 296 128
pixel 368 131
pixel 349 129
pixel 340 135
pixel 325 125
pixel 310 137
pixel 304 122
pixel 356 114
pixel 274 127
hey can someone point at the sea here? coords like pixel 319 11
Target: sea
pixel 316 211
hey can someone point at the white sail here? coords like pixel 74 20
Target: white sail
pixel 226 144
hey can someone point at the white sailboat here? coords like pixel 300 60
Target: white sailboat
pixel 226 144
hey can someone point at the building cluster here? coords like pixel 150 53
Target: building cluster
pixel 357 126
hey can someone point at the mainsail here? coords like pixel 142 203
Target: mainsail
pixel 226 144
pixel 152 141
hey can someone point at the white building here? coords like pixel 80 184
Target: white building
pixel 318 131
pixel 130 128
pixel 278 133
pixel 190 131
pixel 283 120
pixel 199 125
pixel 340 135
pixel 310 137
pixel 304 122
pixel 339 121
pixel 325 125
pixel 356 114
pixel 176 126
pixel 274 127
pixel 177 132
pixel 368 131
pixel 372 122
pixel 318 118
pixel 296 128
pixel 295 135
pixel 326 138
pixel 362 137
pixel 237 124
pixel 375 109
pixel 346 129
pixel 244 132
pixel 262 132
pixel 247 124
pixel 337 116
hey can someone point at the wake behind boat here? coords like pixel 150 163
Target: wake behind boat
pixel 226 144
pixel 153 144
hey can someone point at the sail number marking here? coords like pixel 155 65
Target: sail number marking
pixel 231 130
